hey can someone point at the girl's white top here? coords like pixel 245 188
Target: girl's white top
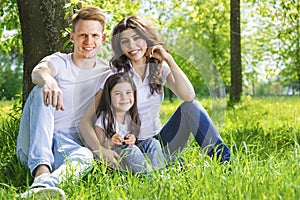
pixel 148 104
pixel 121 129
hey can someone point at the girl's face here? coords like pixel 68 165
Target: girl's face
pixel 133 45
pixel 122 97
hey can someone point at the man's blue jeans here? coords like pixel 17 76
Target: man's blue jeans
pixel 37 143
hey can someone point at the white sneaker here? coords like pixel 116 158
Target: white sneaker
pixel 41 177
pixel 44 193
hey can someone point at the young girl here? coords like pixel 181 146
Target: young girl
pixel 118 126
pixel 137 51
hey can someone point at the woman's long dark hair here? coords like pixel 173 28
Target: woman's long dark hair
pixel 105 107
pixel 120 62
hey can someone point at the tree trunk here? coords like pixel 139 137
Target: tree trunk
pixel 42 23
pixel 235 52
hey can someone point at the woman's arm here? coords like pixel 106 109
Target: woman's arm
pixel 88 134
pixel 179 83
pixel 177 80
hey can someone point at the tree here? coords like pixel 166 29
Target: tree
pixel 235 52
pixel 271 44
pixel 42 24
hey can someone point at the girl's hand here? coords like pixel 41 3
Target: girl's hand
pixel 129 139
pixel 117 139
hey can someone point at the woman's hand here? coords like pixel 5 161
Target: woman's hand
pixel 159 53
pixel 117 139
pixel 129 139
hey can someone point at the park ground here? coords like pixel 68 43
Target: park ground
pixel 262 132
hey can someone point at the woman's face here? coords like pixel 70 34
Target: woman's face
pixel 133 45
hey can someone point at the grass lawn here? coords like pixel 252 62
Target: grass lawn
pixel 263 134
pixel 5 107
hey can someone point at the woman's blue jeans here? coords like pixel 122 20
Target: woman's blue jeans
pixel 38 143
pixel 191 117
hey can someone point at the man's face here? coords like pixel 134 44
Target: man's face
pixel 88 37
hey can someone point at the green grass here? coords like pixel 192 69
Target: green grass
pixel 5 107
pixel 263 134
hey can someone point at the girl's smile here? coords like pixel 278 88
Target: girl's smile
pixel 122 97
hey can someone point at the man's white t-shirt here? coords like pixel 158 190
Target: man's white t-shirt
pixel 79 87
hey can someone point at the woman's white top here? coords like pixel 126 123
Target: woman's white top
pixel 148 104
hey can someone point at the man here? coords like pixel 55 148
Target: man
pixel 48 141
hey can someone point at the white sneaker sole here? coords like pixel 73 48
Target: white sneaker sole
pixel 45 193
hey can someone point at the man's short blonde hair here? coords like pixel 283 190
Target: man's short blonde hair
pixel 89 13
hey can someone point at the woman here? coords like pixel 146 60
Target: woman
pixel 138 51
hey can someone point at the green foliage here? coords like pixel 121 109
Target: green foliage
pixel 207 23
pixel 11 50
pixel 10 32
pixel 263 134
pixel 270 32
pixel 10 77
pixel 271 41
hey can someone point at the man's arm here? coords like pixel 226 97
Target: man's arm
pixel 88 135
pixel 43 76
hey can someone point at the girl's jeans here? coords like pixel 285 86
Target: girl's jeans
pixel 37 144
pixel 191 117
pixel 141 158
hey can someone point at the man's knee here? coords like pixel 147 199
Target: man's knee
pixel 83 154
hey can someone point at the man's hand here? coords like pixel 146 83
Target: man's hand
pixel 52 94
pixel 43 76
pixel 129 139
pixel 107 155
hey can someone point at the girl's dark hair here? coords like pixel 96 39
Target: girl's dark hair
pixel 105 107
pixel 120 62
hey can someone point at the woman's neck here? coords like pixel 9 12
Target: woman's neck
pixel 140 67
pixel 138 63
